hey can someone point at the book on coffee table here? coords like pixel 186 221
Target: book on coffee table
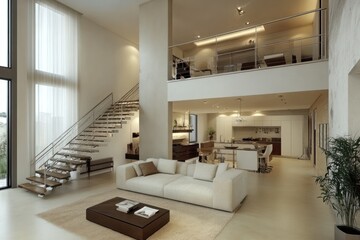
pixel 126 205
pixel 146 212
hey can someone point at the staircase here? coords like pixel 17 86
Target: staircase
pixel 73 148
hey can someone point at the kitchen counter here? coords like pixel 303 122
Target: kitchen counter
pixel 183 152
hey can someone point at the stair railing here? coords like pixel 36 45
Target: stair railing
pixel 72 132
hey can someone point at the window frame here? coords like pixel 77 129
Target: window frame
pixel 10 74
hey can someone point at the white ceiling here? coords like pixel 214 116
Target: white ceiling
pixel 206 18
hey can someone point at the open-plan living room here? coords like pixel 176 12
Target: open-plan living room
pixel 179 119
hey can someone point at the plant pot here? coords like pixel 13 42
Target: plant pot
pixel 346 233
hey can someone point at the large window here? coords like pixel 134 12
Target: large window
pixel 7 93
pixel 55 71
pixel 4 133
pixel 4 33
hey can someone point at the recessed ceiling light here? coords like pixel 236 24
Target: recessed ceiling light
pixel 247 23
pixel 198 36
pixel 240 10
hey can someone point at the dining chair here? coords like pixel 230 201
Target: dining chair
pixel 264 159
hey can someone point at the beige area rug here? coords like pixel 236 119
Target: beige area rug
pixel 186 221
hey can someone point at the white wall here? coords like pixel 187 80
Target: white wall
pixel 107 64
pixel 293 78
pixel 202 128
pixel 319 110
pixel 344 55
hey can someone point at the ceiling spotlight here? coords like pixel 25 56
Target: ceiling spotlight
pixel 240 10
pixel 247 23
pixel 198 36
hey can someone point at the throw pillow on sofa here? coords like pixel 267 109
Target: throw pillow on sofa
pixel 167 166
pixel 222 167
pixel 148 168
pixel 154 160
pixel 204 171
pixel 137 169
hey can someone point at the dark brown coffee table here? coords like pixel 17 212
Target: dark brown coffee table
pixel 105 214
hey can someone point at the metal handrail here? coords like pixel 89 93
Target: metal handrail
pixel 292 50
pixel 50 149
pixel 58 139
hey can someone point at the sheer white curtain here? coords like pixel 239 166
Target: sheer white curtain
pixel 54 70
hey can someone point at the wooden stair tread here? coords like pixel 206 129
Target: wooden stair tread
pixel 90 140
pixel 88 150
pixel 74 155
pixel 62 167
pixel 113 118
pixel 102 130
pixel 85 144
pixel 108 122
pixel 47 182
pixel 69 161
pixel 33 188
pixel 93 135
pixel 54 174
pixel 118 114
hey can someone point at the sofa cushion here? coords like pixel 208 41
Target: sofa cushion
pixel 222 167
pixel 190 170
pixel 204 171
pixel 148 168
pixel 137 168
pixel 152 184
pixel 154 160
pixel 181 168
pixel 167 166
pixel 188 189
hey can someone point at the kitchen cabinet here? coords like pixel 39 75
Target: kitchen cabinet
pixel 224 129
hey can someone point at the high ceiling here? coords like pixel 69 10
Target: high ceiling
pixel 190 17
pixel 205 18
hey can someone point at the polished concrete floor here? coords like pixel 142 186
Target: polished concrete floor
pixel 280 205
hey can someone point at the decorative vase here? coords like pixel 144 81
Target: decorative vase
pixel 346 233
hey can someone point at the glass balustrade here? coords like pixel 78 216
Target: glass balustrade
pixel 291 40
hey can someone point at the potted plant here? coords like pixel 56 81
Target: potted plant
pixel 340 186
pixel 211 132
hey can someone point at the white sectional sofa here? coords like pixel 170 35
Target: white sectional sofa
pixel 214 186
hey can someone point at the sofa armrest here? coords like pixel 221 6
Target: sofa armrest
pixel 124 173
pixel 230 188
